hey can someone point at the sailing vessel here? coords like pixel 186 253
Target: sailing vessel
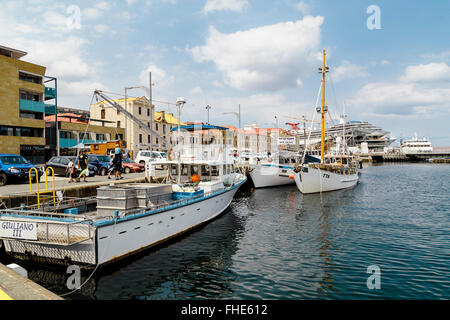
pixel 335 171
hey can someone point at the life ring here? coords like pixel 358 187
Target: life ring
pixel 170 154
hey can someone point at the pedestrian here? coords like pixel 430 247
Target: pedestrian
pixel 118 162
pixel 70 170
pixel 83 164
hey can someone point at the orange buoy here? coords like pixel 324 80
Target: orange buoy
pixel 195 178
pixel 291 176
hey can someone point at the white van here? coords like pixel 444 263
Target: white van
pixel 146 155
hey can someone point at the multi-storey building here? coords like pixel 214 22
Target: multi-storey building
pixel 22 105
pixel 78 130
pixel 137 138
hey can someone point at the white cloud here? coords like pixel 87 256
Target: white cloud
pixel 427 72
pixel 266 58
pixel 347 70
pixel 196 90
pixel 101 28
pixel 218 5
pixel 303 7
pixel 441 55
pixel 159 77
pixel 96 11
pixel 400 99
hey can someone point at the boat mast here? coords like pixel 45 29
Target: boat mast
pixel 323 70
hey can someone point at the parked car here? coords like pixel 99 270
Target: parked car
pixel 130 166
pixel 16 167
pixel 60 163
pixel 144 155
pixel 101 162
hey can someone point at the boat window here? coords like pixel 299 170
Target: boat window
pixel 194 170
pixel 224 169
pixel 205 170
pixel 214 170
pixel 184 170
pixel 173 169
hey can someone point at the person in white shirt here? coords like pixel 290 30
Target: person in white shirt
pixel 70 170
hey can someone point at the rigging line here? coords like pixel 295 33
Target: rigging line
pixel 334 93
pixel 312 122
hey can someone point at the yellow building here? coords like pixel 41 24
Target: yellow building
pixel 136 137
pixel 22 107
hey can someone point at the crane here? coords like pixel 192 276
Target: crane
pixel 293 125
pixel 132 117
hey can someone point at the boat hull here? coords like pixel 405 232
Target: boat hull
pixel 271 175
pixel 316 180
pixel 117 239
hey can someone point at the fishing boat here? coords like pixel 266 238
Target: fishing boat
pixel 335 171
pixel 275 171
pixel 122 219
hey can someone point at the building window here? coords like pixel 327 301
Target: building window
pixel 156 127
pixel 30 78
pixel 119 136
pixel 29 96
pixel 157 140
pixel 149 139
pixel 84 135
pixel 21 131
pixel 118 124
pixel 31 115
pixel 140 138
pixel 140 110
pixel 100 137
pixel 164 129
pixel 148 113
pixel 103 114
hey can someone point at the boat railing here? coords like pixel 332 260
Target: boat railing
pixel 64 232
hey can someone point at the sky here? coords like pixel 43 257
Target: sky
pixel 389 60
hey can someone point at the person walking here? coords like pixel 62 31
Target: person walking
pixel 70 170
pixel 83 163
pixel 118 162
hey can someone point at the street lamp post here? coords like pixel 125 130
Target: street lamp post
pixel 180 103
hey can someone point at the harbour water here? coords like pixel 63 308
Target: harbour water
pixel 276 243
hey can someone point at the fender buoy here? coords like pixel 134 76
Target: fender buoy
pixel 291 176
pixel 170 154
pixel 195 178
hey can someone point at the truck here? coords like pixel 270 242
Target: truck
pixel 107 148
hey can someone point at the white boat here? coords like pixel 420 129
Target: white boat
pixel 276 172
pixel 335 171
pixel 416 145
pixel 122 219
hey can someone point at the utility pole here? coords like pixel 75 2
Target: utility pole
pixel 208 107
pixel 151 110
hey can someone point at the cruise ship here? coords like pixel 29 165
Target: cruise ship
pixel 355 133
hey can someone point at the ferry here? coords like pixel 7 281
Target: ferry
pixel 416 145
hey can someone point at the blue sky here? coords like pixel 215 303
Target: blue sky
pixel 260 54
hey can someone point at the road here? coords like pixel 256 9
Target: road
pixel 60 182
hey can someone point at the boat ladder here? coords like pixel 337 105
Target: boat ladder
pixel 48 193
